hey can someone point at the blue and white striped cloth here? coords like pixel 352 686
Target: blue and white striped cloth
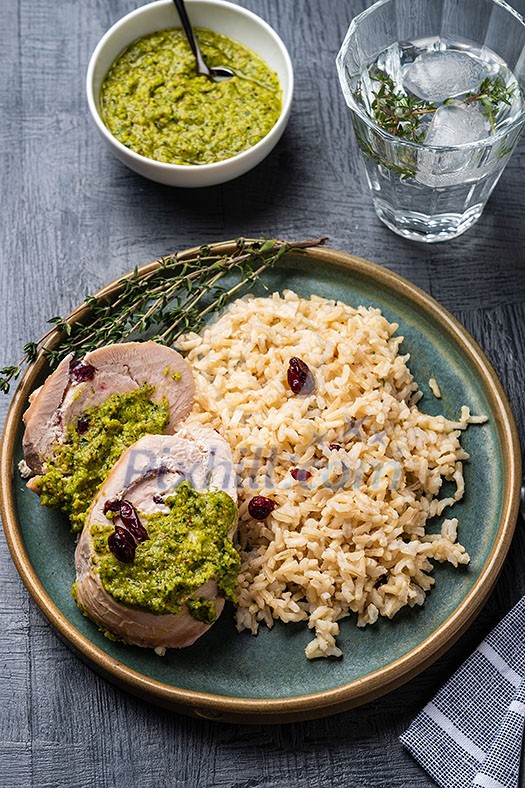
pixel 470 734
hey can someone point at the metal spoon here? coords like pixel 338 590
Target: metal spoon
pixel 216 73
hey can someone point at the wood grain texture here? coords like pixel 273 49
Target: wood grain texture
pixel 74 218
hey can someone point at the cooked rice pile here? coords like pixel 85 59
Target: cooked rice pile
pixel 351 538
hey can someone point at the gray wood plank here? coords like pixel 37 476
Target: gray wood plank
pixel 74 218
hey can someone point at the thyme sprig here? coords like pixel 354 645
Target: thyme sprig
pixel 173 296
pixel 490 95
pixel 401 114
pixel 397 112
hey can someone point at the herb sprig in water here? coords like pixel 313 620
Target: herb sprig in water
pixel 396 112
pixel 174 296
pixel 490 95
pixel 401 114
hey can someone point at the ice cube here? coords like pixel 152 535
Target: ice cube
pixel 436 76
pixel 455 125
pixel 452 125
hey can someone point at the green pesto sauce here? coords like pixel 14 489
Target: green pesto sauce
pixel 153 101
pixel 186 547
pixel 81 464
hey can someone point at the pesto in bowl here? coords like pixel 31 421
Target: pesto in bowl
pixel 153 101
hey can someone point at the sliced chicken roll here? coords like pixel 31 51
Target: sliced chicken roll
pixel 78 385
pixel 155 561
pixel 90 410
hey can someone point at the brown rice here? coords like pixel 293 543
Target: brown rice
pixel 352 537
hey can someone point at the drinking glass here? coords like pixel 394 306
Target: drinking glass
pixel 433 188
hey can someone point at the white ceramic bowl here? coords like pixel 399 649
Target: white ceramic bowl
pixel 221 17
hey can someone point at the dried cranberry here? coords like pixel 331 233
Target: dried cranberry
pixel 82 424
pixel 80 370
pixel 260 507
pixel 335 446
pixel 300 379
pixel 112 506
pixel 124 539
pixel 300 474
pixel 122 545
pixel 130 520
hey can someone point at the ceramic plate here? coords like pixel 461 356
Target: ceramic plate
pixel 238 677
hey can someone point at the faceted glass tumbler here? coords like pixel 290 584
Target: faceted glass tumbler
pixel 428 192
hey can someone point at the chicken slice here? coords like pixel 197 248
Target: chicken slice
pixel 120 368
pixel 147 472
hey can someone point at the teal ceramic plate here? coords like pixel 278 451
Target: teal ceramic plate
pixel 238 677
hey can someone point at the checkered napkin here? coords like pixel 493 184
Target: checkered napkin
pixel 470 734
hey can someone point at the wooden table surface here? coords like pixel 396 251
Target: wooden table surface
pixel 74 218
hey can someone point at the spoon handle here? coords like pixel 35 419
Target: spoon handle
pixel 202 68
